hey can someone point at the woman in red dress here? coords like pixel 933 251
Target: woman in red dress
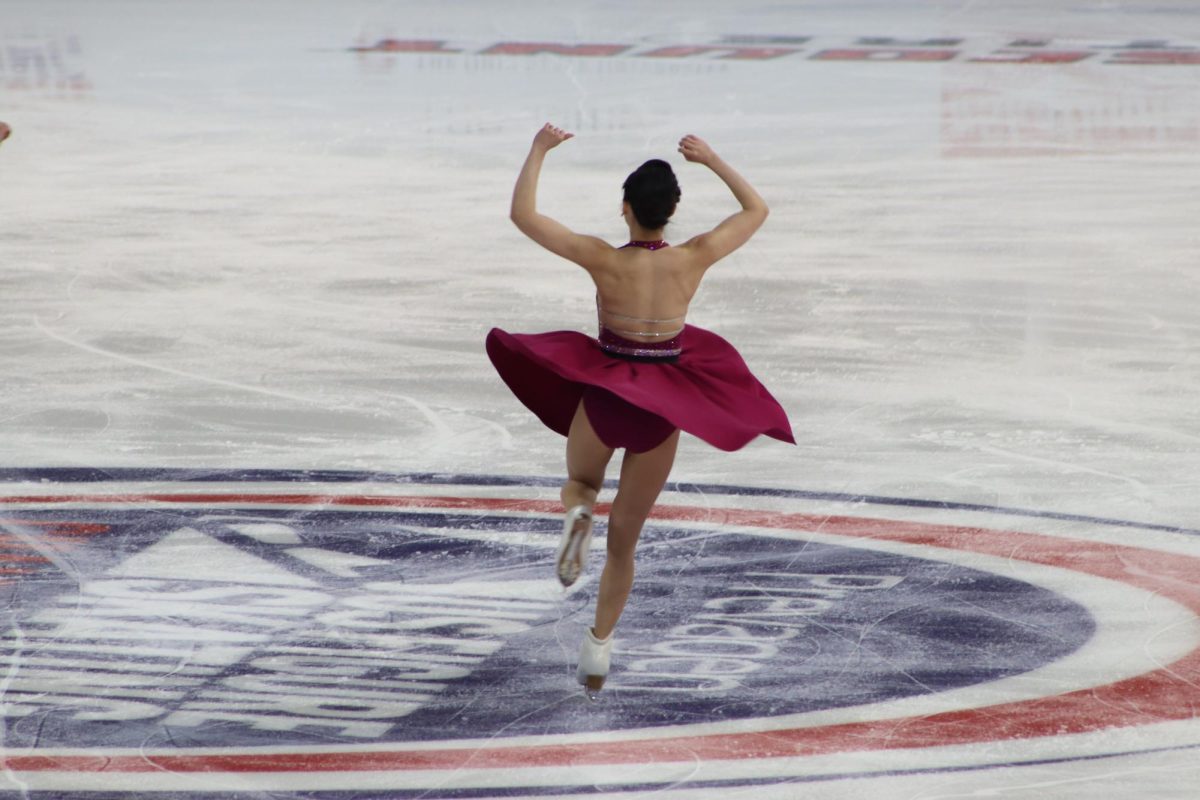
pixel 646 376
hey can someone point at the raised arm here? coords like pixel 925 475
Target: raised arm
pixel 587 251
pixel 735 230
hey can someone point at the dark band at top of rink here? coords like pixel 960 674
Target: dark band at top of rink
pixel 1024 50
pixel 76 475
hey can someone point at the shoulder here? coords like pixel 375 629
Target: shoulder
pixel 593 253
pixel 597 247
pixel 733 232
pixel 700 251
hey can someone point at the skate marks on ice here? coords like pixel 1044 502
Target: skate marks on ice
pixel 315 631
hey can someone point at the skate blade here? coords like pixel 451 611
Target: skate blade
pixel 570 566
pixel 568 574
pixel 592 684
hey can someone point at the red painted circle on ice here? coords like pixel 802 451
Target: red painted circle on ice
pixel 1169 693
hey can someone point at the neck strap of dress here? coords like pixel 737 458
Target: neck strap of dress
pixel 654 245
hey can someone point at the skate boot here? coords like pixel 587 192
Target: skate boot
pixel 574 545
pixel 594 657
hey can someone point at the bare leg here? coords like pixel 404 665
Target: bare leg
pixel 587 458
pixel 643 476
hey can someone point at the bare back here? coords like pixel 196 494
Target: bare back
pixel 644 294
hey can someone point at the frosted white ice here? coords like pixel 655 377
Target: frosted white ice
pixel 225 241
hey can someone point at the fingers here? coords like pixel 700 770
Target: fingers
pixel 556 132
pixel 550 136
pixel 694 148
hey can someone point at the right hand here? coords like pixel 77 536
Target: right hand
pixel 550 137
pixel 696 149
pixel 5 131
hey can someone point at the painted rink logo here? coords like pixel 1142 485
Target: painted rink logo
pixel 413 629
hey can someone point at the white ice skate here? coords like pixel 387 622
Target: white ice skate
pixel 574 545
pixel 594 657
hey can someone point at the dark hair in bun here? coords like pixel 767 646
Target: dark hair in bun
pixel 652 192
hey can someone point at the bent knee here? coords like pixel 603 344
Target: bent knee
pixel 591 480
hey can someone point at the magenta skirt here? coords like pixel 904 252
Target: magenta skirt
pixel 707 391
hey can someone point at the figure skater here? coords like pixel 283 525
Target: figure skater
pixel 647 376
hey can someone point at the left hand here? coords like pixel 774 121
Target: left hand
pixel 550 137
pixel 696 149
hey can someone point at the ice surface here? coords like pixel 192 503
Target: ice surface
pixel 227 241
